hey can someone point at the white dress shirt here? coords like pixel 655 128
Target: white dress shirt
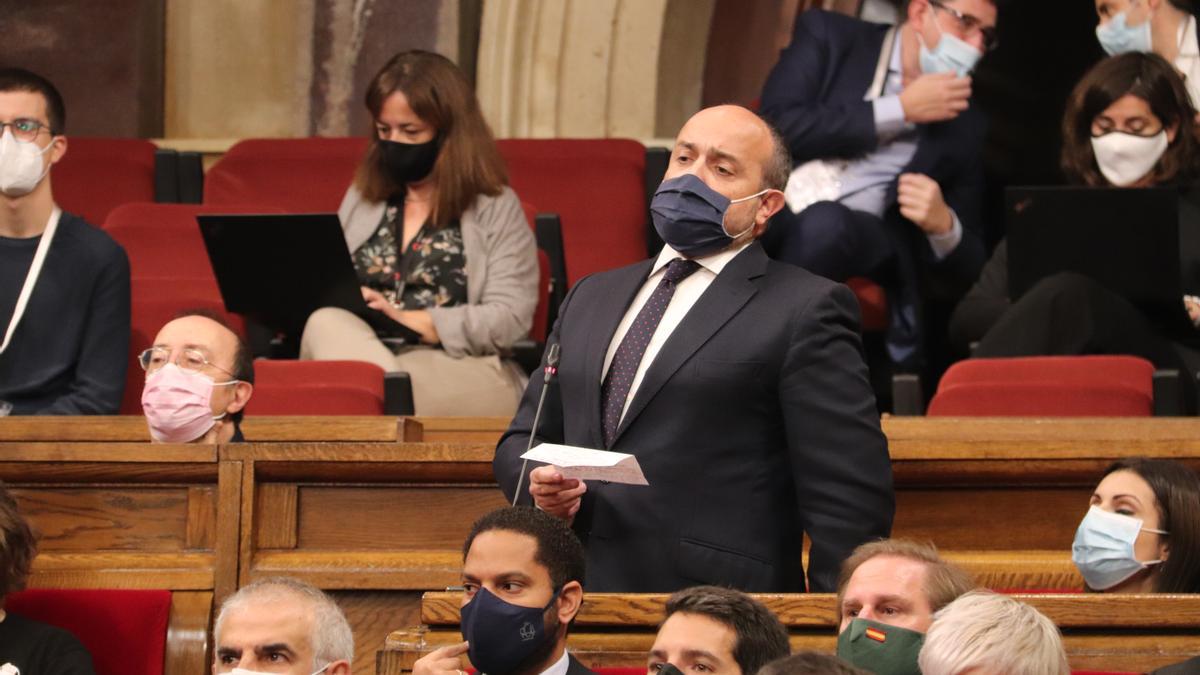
pixel 687 292
pixel 1188 59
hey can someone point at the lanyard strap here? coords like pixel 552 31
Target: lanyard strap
pixel 31 277
pixel 881 68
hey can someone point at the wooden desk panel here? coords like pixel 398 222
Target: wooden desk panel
pixel 132 428
pixel 1101 632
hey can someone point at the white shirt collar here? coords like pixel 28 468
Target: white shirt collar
pixel 714 262
pixel 1187 38
pixel 560 666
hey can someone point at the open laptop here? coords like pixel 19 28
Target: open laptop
pixel 278 269
pixel 1127 239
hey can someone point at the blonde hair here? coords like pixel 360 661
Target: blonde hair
pixel 987 630
pixel 943 581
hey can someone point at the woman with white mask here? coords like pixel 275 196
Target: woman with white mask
pixel 1127 124
pixel 1164 27
pixel 1141 533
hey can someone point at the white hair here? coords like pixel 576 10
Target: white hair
pixel 986 630
pixel 332 639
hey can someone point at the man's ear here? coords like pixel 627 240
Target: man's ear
pixel 772 203
pixel 241 396
pixel 58 148
pixel 570 599
pixel 338 668
pixel 917 9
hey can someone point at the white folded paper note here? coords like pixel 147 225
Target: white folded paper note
pixel 588 464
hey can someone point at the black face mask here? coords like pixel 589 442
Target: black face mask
pixel 505 638
pixel 409 162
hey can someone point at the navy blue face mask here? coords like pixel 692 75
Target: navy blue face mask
pixel 690 216
pixel 502 636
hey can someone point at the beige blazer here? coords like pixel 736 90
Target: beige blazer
pixel 502 272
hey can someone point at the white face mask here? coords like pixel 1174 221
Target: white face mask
pixel 1124 158
pixel 21 165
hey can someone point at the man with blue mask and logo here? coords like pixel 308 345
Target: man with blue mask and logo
pixel 1165 27
pixel 887 152
pixel 64 284
pixel 522 587
pixel 281 625
pixel 737 381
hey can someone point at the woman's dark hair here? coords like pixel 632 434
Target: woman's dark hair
pixel 18 545
pixel 1177 491
pixel 468 163
pixel 1150 78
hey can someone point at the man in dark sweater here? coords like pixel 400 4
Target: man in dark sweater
pixel 64 285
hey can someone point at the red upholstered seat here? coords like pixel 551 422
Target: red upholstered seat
pixel 872 301
pixel 298 175
pixel 151 308
pixel 316 388
pixel 125 630
pixel 99 174
pixel 596 186
pixel 1054 386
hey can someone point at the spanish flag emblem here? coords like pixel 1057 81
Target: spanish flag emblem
pixel 876 635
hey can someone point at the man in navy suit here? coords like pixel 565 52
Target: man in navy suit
pixel 887 151
pixel 737 381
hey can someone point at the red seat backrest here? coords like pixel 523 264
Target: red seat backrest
pixel 99 174
pixel 316 388
pixel 1054 386
pixel 153 305
pixel 872 302
pixel 298 175
pixel 542 311
pixel 125 630
pixel 596 186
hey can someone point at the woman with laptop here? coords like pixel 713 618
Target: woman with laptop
pixel 1128 124
pixel 441 246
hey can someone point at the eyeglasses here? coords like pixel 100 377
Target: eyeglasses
pixel 24 130
pixel 970 24
pixel 188 360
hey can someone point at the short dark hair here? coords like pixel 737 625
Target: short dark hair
pixel 760 637
pixel 1176 488
pixel 243 360
pixel 1146 76
pixel 19 79
pixel 18 545
pixel 810 663
pixel 558 549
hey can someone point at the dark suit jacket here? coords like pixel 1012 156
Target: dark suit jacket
pixel 814 96
pixel 754 425
pixel 575 667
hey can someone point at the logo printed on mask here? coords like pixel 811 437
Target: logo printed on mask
pixel 1103 548
pixel 21 165
pixel 690 216
pixel 880 648
pixel 502 635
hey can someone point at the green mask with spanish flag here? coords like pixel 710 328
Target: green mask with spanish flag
pixel 880 648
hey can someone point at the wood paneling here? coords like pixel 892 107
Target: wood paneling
pixel 416 517
pixel 187 634
pixel 372 617
pixel 1101 631
pixel 132 428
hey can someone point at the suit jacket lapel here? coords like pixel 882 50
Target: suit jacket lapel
pixel 607 315
pixel 720 302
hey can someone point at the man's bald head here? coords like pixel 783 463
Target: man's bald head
pixel 744 128
pixel 230 359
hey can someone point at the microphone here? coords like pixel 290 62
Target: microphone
pixel 548 373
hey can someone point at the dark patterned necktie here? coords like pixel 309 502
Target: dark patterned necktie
pixel 629 353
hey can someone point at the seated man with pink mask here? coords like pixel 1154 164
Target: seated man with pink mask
pixel 199 376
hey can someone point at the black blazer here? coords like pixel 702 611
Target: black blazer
pixel 575 667
pixel 814 96
pixel 755 425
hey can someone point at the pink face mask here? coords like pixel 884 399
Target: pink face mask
pixel 178 404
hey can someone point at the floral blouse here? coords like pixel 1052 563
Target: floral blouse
pixel 430 273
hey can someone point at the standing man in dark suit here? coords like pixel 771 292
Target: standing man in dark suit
pixel 737 381
pixel 887 151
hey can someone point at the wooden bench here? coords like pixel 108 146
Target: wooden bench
pixel 132 429
pixel 132 515
pixel 1101 632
